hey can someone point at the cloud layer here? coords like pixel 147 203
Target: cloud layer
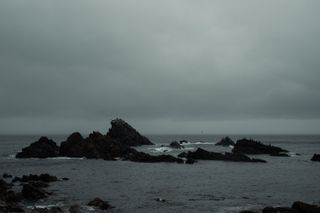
pixel 77 64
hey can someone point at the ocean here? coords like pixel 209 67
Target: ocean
pixel 206 186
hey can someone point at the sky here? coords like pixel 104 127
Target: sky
pixel 166 67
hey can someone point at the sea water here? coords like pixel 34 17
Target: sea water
pixel 206 186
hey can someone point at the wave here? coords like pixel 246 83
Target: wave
pixel 168 149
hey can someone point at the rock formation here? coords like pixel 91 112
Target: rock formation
pixel 126 134
pixel 43 148
pixel 225 142
pixel 249 146
pixel 201 154
pixel 316 157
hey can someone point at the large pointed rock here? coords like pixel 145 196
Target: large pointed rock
pixel 43 148
pixel 73 146
pixel 126 134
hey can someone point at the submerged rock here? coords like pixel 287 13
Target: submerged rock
pixel 201 154
pixel 249 146
pixel 225 142
pixel 126 134
pixel 97 202
pixel 280 154
pixel 316 157
pixel 43 148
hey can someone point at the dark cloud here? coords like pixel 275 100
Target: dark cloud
pixel 166 67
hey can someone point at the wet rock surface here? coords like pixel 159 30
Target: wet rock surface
pixel 101 204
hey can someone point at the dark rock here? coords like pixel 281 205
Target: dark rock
pixel 247 211
pixel 190 161
pixel 11 208
pixel 302 207
pixel 316 157
pixel 201 154
pixel 249 146
pixel 183 155
pixel 97 202
pixel 65 178
pixel 175 145
pixel 6 175
pixel 126 134
pixel 225 142
pixel 33 178
pixel 280 154
pixel 73 146
pixel 269 210
pixel 47 210
pixel 159 199
pixel 146 158
pixel 30 192
pixel 43 148
pixel 183 141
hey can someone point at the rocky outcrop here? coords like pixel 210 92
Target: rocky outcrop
pixel 249 146
pixel 43 148
pixel 225 142
pixel 201 154
pixel 42 177
pixel 73 146
pixel 101 204
pixel 54 209
pixel 316 157
pixel 126 134
pixel 175 145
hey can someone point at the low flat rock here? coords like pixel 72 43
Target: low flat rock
pixel 250 146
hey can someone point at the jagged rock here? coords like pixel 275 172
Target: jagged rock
pixel 73 146
pixel 175 145
pixel 97 202
pixel 146 158
pixel 30 192
pixel 225 142
pixel 47 210
pixel 249 146
pixel 316 157
pixel 126 134
pixel 201 154
pixel 43 148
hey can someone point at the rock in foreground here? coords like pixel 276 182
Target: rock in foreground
pixel 297 207
pixel 201 154
pixel 126 134
pixel 43 148
pixel 225 142
pixel 316 157
pixel 249 146
pixel 97 202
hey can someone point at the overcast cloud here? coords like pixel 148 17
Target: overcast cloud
pixel 165 66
